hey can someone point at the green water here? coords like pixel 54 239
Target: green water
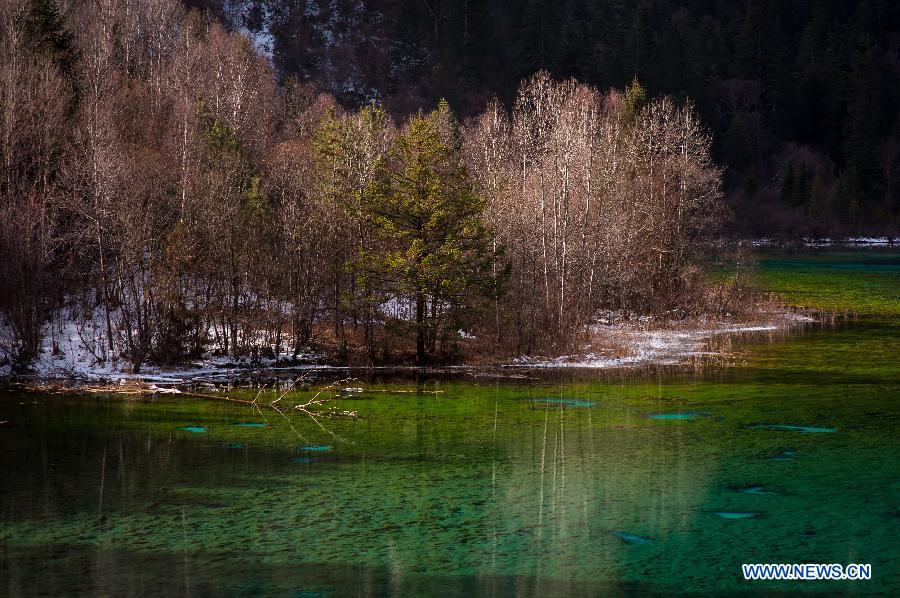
pixel 635 483
pixel 844 280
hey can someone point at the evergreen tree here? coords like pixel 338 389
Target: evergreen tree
pixel 427 215
pixel 635 100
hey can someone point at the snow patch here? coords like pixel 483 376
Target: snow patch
pixel 829 242
pixel 646 347
pixel 75 347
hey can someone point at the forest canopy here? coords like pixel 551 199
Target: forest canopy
pixel 167 194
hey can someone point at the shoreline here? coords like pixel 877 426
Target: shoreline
pixel 680 343
pixel 611 342
pixel 813 242
pixel 611 345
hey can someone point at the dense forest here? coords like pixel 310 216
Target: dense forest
pixel 166 194
pixel 801 96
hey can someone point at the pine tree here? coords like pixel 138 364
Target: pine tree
pixel 635 100
pixel 427 216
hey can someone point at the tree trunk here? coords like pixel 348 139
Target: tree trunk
pixel 420 329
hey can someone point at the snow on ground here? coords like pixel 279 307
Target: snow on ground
pixel 643 345
pixel 70 349
pixel 828 242
pixel 73 349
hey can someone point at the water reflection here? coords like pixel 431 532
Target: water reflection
pixel 525 500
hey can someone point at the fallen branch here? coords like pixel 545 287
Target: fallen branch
pixel 288 389
pixel 316 401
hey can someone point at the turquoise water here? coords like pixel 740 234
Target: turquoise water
pixel 573 484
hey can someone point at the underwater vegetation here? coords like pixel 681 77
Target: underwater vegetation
pixel 632 539
pixel 863 282
pixel 566 402
pixel 682 415
pixel 737 514
pixel 755 490
pixel 784 456
pixel 792 428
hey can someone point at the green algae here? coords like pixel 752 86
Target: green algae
pixel 737 514
pixel 793 428
pixel 676 416
pixel 632 538
pixel 784 456
pixel 455 482
pixel 566 402
pixel 756 490
pixel 471 480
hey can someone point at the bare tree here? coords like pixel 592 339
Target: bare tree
pixel 36 99
pixel 598 207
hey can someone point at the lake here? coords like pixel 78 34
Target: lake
pixel 635 482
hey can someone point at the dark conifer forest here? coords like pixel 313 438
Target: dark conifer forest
pixel 802 97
